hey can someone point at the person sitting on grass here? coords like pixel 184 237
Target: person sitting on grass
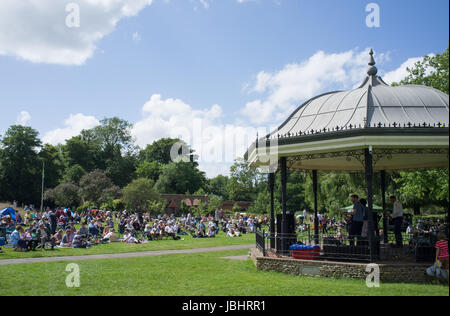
pixel 61 224
pixel 200 231
pixel 212 229
pixel 100 226
pixel 58 236
pixel 147 231
pixel 109 222
pixel 79 240
pixel 128 238
pixel 93 229
pixel 28 237
pixel 171 231
pixel 110 236
pixel 152 234
pixel 67 239
pixel 84 230
pixel 17 239
pixel 182 230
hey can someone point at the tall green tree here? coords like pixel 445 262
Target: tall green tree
pixel 20 168
pixel 180 178
pixel 243 182
pixel 73 174
pixel 219 186
pixel 114 136
pixel 160 151
pixel 149 169
pixel 432 71
pixel 83 150
pixel 54 165
pixel 140 195
pixel 64 195
pixel 421 188
pixel 97 188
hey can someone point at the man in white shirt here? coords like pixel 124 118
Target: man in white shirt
pixel 397 215
pixel 170 230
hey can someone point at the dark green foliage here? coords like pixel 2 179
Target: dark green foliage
pixel 140 194
pixel 180 178
pixel 20 167
pixel 96 187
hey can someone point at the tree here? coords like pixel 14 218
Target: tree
pixel 219 186
pixel 96 187
pixel 65 195
pixel 157 207
pixel 73 174
pixel 121 169
pixel 149 169
pixel 20 168
pixel 433 71
pixel 200 210
pixel 54 165
pixel 140 194
pixel 420 188
pixel 215 203
pixel 159 151
pixel 261 205
pixel 243 182
pixel 83 151
pixel 114 136
pixel 179 178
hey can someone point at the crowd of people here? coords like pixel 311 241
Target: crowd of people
pixel 65 228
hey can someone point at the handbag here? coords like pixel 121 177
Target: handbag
pixel 436 272
pixel 365 229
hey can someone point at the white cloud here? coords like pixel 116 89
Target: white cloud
pixel 23 118
pixel 217 144
pixel 36 30
pixel 73 126
pixel 401 72
pixel 287 88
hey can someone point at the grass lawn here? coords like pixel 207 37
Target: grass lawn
pixel 118 247
pixel 179 275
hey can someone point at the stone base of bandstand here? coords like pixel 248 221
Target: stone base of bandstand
pixel 390 272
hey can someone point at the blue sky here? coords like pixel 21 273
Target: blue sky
pixel 167 63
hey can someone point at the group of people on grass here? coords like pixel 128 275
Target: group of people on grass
pixel 64 228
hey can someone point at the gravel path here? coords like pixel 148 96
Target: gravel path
pixel 123 255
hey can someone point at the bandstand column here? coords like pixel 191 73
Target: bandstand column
pixel 272 209
pixel 369 182
pixel 316 207
pixel 383 198
pixel 283 162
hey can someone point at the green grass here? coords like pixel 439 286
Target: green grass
pixel 119 247
pixel 191 274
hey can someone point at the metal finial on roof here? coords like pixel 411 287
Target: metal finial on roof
pixel 372 71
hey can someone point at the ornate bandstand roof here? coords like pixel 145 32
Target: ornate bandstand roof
pixel 406 126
